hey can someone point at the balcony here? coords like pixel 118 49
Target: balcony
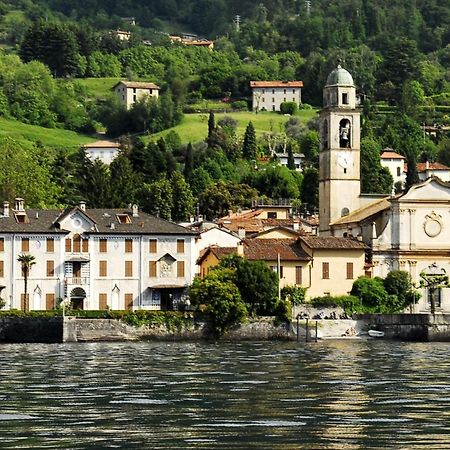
pixel 80 281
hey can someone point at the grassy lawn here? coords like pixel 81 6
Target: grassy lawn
pixel 194 127
pixel 51 137
pixel 98 87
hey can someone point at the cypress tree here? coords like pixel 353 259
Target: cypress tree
pixel 249 145
pixel 291 160
pixel 211 127
pixel 188 162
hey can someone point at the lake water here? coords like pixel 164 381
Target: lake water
pixel 259 395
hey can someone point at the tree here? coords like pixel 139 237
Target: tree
pixel 26 261
pixel 95 186
pixel 249 146
pixel 211 128
pixel 309 193
pixel 398 283
pixel 157 198
pixel 183 200
pixel 218 295
pixel 257 283
pixel 371 292
pixel 412 177
pixel 290 160
pixel 124 182
pixel 188 162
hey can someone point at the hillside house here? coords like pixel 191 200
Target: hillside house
pixel 105 151
pixel 130 91
pixel 268 95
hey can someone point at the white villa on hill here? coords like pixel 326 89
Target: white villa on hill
pixel 105 151
pixel 130 91
pixel 96 258
pixel 268 95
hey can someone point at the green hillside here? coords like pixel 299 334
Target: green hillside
pixel 194 127
pixel 98 87
pixel 49 137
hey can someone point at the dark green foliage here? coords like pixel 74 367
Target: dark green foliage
pixel 349 303
pixel 370 291
pixel 124 182
pixel 183 200
pixel 290 161
pixel 211 129
pixel 309 194
pixel 218 295
pixel 293 294
pixel 412 177
pixel 257 283
pixel 398 283
pixel 249 147
pixel 288 108
pixel 188 162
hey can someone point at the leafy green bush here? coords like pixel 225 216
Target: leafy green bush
pixel 349 303
pixel 283 312
pixel 305 106
pixel 288 108
pixel 294 294
pixel 239 105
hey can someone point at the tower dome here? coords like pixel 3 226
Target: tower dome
pixel 341 77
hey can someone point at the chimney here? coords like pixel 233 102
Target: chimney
pixel 19 204
pixel 427 165
pixel 5 209
pixel 82 206
pixel 135 210
pixel 241 232
pixel 240 249
pixel 113 225
pixel 296 226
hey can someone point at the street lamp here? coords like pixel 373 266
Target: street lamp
pixel 432 278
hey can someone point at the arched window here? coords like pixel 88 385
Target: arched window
pixel 325 134
pixel 76 243
pixel 344 134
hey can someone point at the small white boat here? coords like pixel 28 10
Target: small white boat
pixel 375 333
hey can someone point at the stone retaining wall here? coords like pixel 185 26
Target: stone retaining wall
pixel 31 329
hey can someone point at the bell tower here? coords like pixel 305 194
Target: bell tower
pixel 339 174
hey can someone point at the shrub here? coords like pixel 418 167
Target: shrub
pixel 288 108
pixel 370 291
pixel 305 106
pixel 349 303
pixel 294 294
pixel 239 105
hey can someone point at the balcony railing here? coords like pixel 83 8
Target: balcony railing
pixel 77 280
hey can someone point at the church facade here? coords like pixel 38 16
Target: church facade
pixel 407 232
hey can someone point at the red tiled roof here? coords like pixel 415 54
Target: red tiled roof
pixel 269 249
pixel 218 252
pixel 423 167
pixel 275 83
pixel 138 84
pixel 331 242
pixel 102 144
pixel 391 155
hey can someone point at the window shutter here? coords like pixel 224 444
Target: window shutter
pixel 152 246
pixel 68 245
pixel 298 275
pixel 350 271
pixel 128 301
pixel 85 243
pixel 128 246
pixel 50 268
pixel 77 243
pixel 326 270
pixel 180 269
pixel 180 245
pixel 49 301
pixel 2 244
pixel 102 301
pixel 103 268
pixel 128 268
pixel 103 245
pixel 152 269
pixel 50 245
pixel 25 245
pixel 2 269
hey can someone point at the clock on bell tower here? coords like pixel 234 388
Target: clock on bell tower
pixel 339 174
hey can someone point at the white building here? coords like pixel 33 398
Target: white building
pixel 97 258
pixel 408 232
pixel 268 95
pixel 105 151
pixel 396 165
pixel 130 91
pixel 282 158
pixel 435 169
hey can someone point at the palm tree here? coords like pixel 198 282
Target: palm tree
pixel 26 261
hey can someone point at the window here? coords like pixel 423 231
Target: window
pixel 50 268
pixel 263 91
pixel 134 90
pixel 434 295
pixel 293 91
pixel 284 91
pixel 284 99
pixel 103 245
pixel 77 243
pixel 25 244
pixel 349 271
pixel 325 270
pixel 123 218
pixel 49 301
pixel 180 245
pixel 180 269
pixel 85 245
pixel 128 301
pixel 298 275
pixel 293 99
pixel 152 246
pixel 263 99
pixel 152 269
pixel 102 301
pixel 272 215
pixel 134 98
pixel 398 171
pixel 273 91
pixel 128 246
pixel 2 269
pixel 128 268
pixel 281 272
pixel 103 268
pixel 2 244
pixel 345 98
pixel 68 245
pixel 273 108
pixel 50 245
pixel 273 99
